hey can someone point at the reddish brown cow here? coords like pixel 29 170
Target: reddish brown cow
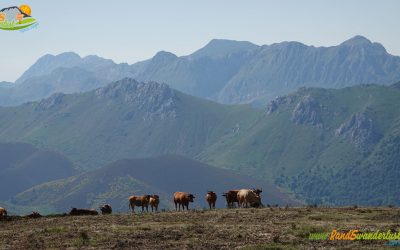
pixel 106 209
pixel 3 212
pixel 139 201
pixel 231 198
pixel 78 212
pixel 154 201
pixel 248 197
pixel 182 199
pixel 211 198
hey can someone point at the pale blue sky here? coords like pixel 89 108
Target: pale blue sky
pixel 133 30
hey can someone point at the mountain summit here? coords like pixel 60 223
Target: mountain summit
pixel 357 40
pixel 223 47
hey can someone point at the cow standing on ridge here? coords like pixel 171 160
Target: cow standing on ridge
pixel 139 201
pixel 248 197
pixel 211 198
pixel 182 199
pixel 231 198
pixel 154 201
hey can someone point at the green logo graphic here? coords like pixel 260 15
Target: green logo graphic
pixel 16 18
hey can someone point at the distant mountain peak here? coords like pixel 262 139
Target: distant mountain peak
pixel 164 55
pixel 222 47
pixel 357 40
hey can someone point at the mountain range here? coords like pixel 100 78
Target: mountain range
pixel 125 119
pixel 225 71
pixel 321 145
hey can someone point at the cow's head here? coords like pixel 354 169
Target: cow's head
pixel 148 197
pixel 191 197
pixel 73 210
pixel 210 192
pixel 155 196
pixel 257 191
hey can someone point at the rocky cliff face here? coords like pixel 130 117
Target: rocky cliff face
pixel 361 131
pixel 279 101
pixel 153 98
pixel 307 111
pixel 50 102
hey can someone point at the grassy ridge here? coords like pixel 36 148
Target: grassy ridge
pixel 276 228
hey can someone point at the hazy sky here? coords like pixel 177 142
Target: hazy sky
pixel 133 30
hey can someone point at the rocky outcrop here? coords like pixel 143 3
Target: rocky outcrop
pixel 361 131
pixel 279 101
pixel 307 111
pixel 50 102
pixel 152 98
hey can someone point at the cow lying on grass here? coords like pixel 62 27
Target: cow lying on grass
pixel 106 209
pixel 34 215
pixel 77 212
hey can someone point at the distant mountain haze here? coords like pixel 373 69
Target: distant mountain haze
pixel 161 175
pixel 23 166
pixel 226 71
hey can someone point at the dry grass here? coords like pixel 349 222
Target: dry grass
pixel 218 229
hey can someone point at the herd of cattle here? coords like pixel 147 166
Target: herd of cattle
pixel 242 197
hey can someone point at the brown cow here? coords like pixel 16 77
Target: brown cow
pixel 182 199
pixel 3 212
pixel 139 201
pixel 248 197
pixel 211 198
pixel 77 212
pixel 231 197
pixel 154 201
pixel 34 215
pixel 106 209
